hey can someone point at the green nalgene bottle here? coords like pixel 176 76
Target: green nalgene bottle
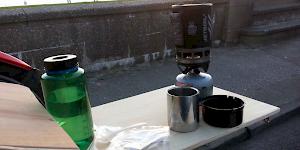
pixel 66 98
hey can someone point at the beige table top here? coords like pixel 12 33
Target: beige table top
pixel 151 108
pixel 25 124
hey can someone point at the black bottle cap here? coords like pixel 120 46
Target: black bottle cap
pixel 60 62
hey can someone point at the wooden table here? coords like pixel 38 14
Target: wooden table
pixel 25 124
pixel 151 108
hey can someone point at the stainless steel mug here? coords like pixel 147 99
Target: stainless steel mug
pixel 183 109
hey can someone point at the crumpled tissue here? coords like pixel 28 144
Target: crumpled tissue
pixel 135 137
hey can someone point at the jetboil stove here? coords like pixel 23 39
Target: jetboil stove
pixel 192 27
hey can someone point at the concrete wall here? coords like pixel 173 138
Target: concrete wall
pixel 103 35
pixel 239 16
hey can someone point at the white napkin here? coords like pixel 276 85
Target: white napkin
pixel 135 137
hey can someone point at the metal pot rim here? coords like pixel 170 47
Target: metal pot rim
pixel 186 87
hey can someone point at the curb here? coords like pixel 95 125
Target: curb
pixel 243 134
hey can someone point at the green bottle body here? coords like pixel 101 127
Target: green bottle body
pixel 67 101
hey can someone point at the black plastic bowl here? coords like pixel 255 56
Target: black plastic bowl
pixel 223 111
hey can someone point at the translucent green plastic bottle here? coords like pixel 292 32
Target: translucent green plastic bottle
pixel 66 98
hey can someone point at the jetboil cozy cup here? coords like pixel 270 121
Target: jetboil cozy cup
pixel 183 109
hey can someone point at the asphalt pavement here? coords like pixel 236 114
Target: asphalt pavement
pixel 269 73
pixel 282 135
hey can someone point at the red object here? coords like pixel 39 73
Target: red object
pixel 8 59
